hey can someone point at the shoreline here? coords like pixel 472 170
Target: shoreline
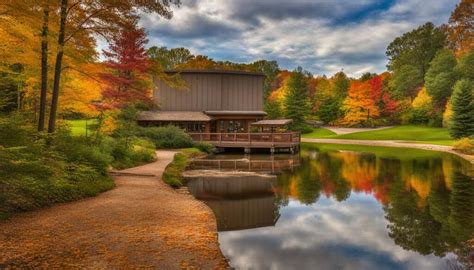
pixel 141 223
pixel 392 143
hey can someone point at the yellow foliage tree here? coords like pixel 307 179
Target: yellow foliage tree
pixel 423 100
pixel 448 112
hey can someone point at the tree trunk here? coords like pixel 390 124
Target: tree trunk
pixel 44 67
pixel 57 68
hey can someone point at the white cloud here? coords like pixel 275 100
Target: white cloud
pixel 323 36
pixel 327 235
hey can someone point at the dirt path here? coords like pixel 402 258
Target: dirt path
pixel 142 223
pixel 343 130
pixel 389 143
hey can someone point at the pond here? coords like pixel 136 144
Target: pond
pixel 343 207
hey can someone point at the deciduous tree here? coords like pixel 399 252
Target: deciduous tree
pixel 460 28
pixel 98 17
pixel 416 48
pixel 359 106
pixel 440 78
pixel 128 81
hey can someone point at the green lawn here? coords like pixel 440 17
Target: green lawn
pixel 78 127
pixel 415 134
pixel 380 151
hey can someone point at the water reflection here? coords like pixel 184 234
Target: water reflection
pixel 353 210
pixel 239 202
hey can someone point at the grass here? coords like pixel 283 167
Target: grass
pixel 380 151
pixel 416 134
pixel 173 174
pixel 78 127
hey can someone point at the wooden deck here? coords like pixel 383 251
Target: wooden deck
pixel 272 141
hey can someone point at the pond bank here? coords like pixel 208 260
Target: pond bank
pixel 392 143
pixel 142 223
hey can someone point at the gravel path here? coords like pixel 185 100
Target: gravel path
pixel 389 143
pixel 142 223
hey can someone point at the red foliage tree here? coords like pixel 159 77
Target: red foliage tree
pixel 381 96
pixel 128 80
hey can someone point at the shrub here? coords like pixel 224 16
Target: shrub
pixel 465 146
pixel 131 152
pixel 167 137
pixel 82 150
pixel 37 175
pixel 15 131
pixel 302 127
pixel 173 172
pixel 205 147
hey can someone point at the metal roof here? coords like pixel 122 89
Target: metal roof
pixel 172 116
pixel 273 123
pixel 215 71
pixel 259 113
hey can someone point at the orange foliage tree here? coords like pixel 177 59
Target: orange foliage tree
pixel 359 106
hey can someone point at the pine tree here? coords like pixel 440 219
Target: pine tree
pixel 296 100
pixel 462 120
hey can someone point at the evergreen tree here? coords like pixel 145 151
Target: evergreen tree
pixel 296 101
pixel 273 109
pixel 340 84
pixel 329 110
pixel 440 77
pixel 462 120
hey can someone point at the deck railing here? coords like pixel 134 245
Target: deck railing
pixel 286 137
pixel 245 164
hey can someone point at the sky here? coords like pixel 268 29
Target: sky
pixel 322 36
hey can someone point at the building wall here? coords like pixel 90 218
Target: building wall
pixel 212 92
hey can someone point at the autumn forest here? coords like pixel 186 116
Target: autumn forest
pixel 75 75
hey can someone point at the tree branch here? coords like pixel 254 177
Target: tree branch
pixel 82 23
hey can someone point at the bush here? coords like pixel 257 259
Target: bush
pixel 82 150
pixel 37 170
pixel 37 175
pixel 205 147
pixel 419 116
pixel 15 131
pixel 173 172
pixel 167 137
pixel 302 127
pixel 130 152
pixel 465 146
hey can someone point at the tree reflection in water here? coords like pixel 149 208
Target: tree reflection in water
pixel 426 199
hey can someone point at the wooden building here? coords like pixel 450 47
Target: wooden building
pixel 219 106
